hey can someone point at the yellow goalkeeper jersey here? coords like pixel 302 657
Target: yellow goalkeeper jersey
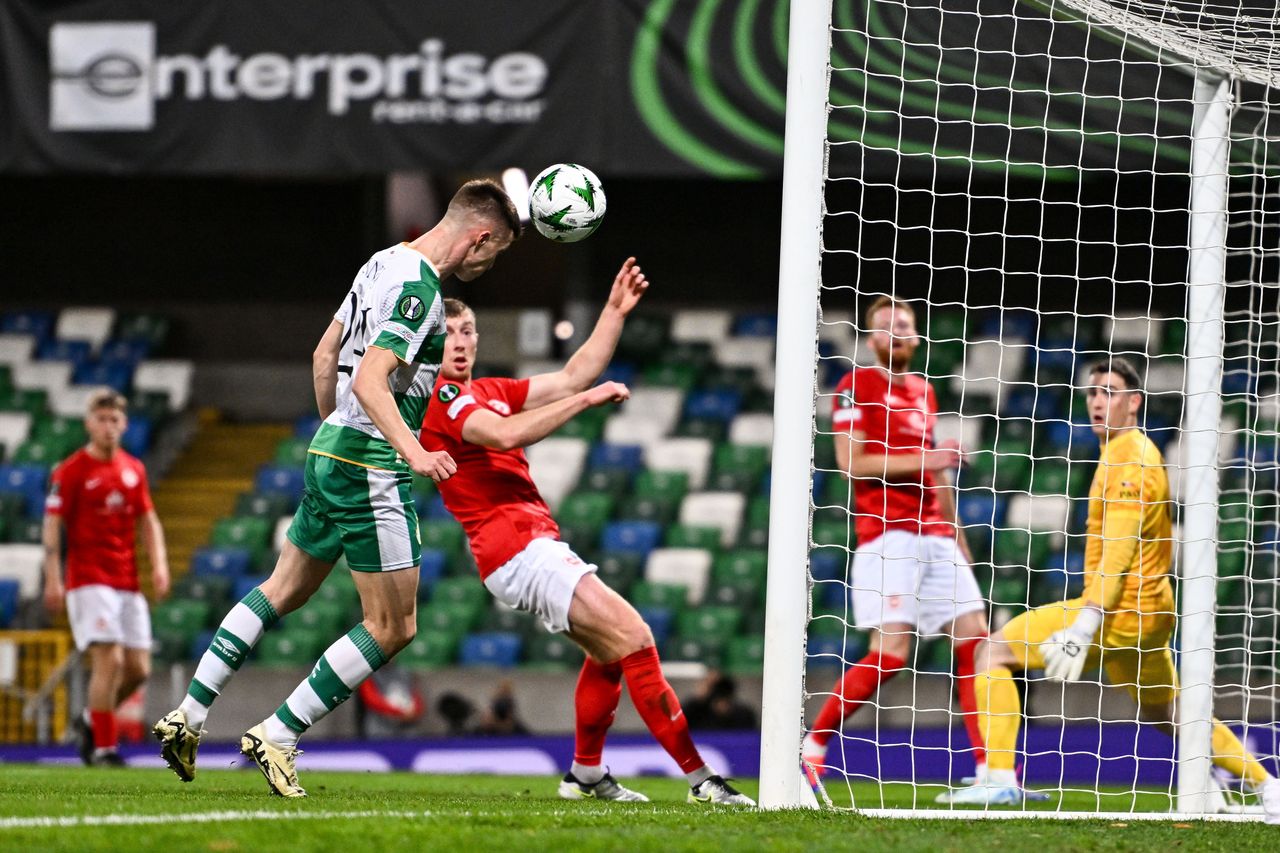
pixel 1131 479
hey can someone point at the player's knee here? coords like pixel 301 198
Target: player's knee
pixel 137 672
pixel 633 634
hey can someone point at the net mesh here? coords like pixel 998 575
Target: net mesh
pixel 1021 176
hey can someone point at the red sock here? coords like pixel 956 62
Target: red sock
pixel 659 707
pixel 968 702
pixel 103 724
pixel 854 687
pixel 594 702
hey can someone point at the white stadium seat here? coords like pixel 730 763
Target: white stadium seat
pixel 86 324
pixel 756 353
pixel 282 528
pixel 633 429
pixel 25 564
pixel 686 567
pixel 72 401
pixel 15 427
pixel 967 431
pixel 661 405
pixel 555 465
pixel 172 376
pixel 691 455
pixel 49 376
pixel 701 325
pixel 722 510
pixel 752 428
pixel 16 349
pixel 989 367
pixel 1044 513
pixel 1132 334
pixel 839 328
pixel 1165 376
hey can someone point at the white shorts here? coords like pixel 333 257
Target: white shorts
pixel 541 580
pixel 903 577
pixel 103 614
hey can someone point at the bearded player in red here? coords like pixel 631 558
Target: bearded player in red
pixel 911 571
pixel 99 494
pixel 484 424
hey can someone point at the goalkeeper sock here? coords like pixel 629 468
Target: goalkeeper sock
pixel 659 707
pixel 343 666
pixel 1229 754
pixel 965 650
pixel 999 715
pixel 855 687
pixel 595 700
pixel 236 636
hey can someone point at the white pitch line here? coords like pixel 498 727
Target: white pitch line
pixel 197 817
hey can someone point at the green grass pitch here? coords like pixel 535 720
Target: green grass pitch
pixel 73 808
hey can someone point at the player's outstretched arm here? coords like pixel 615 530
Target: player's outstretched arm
pixel 324 369
pixel 586 365
pixel 374 393
pixel 490 429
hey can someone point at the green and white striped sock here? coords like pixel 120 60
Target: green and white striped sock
pixel 236 637
pixel 338 673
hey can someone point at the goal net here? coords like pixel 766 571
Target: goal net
pixel 1046 185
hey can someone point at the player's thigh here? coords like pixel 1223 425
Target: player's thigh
pixel 542 579
pixel 376 519
pixel 1147 673
pixel 948 592
pixel 295 578
pixel 388 598
pixel 1023 634
pixel 885 580
pixel 604 623
pixel 94 613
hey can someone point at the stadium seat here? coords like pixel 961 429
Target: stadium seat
pixel 306 426
pixel 280 532
pixel 741 566
pixel 1142 334
pixel 38 324
pixel 745 655
pixel 690 455
pixel 433 566
pixel 169 646
pixel 245 584
pixel 47 376
pixel 272 480
pixel 756 324
pixel 171 376
pixel 722 510
pixel 70 401
pixel 291 647
pixel 150 328
pixel 633 429
pixel 668 485
pixel 637 536
pixel 16 348
pixel 117 376
pixel 659 405
pixel 667 375
pixel 753 429
pixel 587 426
pixel 752 352
pixel 450 618
pixel 644 337
pixel 615 482
pixel 742 596
pixel 326 618
pixel 15 427
pixel 224 562
pixel 292 452
pixel 718 624
pixel 712 429
pixel 693 536
pixel 701 650
pixel 447 537
pixel 648 508
pixel 1038 512
pixel 624 456
pixel 707 325
pixel 91 325
pixel 672 596
pixel 78 353
pixel 23 562
pixel 9 596
pixel 686 567
pixel 339 587
pixel 829 563
pixel 462 591
pixel 619 570
pixel 429 650
pixel 251 534
pixel 496 648
pixel 555 464
pixel 660 619
pixel 721 404
pixel 508 620
pixel 553 652
pixel 124 352
pixel 27 481
pixel 177 615
pixel 213 589
pixel 268 506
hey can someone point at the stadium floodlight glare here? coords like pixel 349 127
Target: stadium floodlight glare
pixel 1047 184
pixel 516 182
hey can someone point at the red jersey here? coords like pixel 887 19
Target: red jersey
pixel 100 502
pixel 896 418
pixel 491 494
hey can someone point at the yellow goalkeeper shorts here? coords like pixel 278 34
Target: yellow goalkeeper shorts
pixel 1134 651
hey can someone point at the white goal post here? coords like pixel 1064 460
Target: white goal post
pixel 1046 182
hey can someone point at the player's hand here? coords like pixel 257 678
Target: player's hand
pixel 437 465
pixel 160 581
pixel 55 596
pixel 1064 655
pixel 946 456
pixel 608 392
pixel 628 286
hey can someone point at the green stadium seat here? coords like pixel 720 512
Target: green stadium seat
pixel 644 338
pixel 171 646
pixel 292 647
pixel 828 622
pixel 740 379
pixel 824 454
pixel 175 615
pixel 255 505
pixel 328 618
pixel 695 353
pixel 252 534
pixel 588 426
pixel 1010 591
pixel 429 650
pixel 613 481
pixel 743 481
pixel 754 534
pixel 835 533
pixel 468 591
pixel 39 450
pixel 445 535
pixel 1050 477
pixel 6 379
pixel 741 565
pixel 648 508
pixel 450 618
pixel 741 457
pixel 696 649
pixel 740 595
pixel 1019 548
pixel 33 401
pixel 745 655
pixel 718 624
pixel 151 328
pixel 712 429
pixel 580 537
pixel 424 486
pixel 28 531
pixel 649 594
pixel 691 536
pixel 214 590
pixel 339 588
pixel 585 509
pixel 670 375
pixel 671 485
pixel 944 326
pixel 553 652
pixel 1012 472
pixel 1079 479
pixel 292 452
pixel 619 570
pixel 503 618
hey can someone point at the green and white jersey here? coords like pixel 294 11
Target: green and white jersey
pixel 394 303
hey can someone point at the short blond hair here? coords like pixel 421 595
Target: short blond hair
pixel 107 398
pixel 886 302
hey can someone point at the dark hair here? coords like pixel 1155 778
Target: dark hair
pixel 107 398
pixel 455 307
pixel 1120 366
pixel 886 302
pixel 489 200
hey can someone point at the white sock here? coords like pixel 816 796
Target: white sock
pixel 278 733
pixel 812 749
pixel 697 777
pixel 236 637
pixel 1001 778
pixel 345 664
pixel 586 773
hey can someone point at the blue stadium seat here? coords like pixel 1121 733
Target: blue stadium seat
pixel 619 371
pixel 637 537
pixel 112 374
pixel 124 352
pixel 495 648
pixel 717 404
pixel 273 480
pixel 8 601
pixel 306 426
pixel 827 563
pixel 200 642
pixel 36 323
pixel 1011 323
pixel 981 508
pixel 829 651
pixel 77 352
pixel 220 562
pixel 1057 354
pixel 245 584
pixel 27 481
pixel 659 620
pixel 628 457
pixel 819 483
pixel 432 507
pixel 137 436
pixel 755 325
pixel 433 566
pixel 1061 434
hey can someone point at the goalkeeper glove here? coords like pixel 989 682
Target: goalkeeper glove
pixel 1065 651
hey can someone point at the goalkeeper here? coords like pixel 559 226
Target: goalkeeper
pixel 1125 617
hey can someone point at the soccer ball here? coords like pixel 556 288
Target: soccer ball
pixel 566 203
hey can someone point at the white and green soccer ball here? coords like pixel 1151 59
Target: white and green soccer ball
pixel 566 202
